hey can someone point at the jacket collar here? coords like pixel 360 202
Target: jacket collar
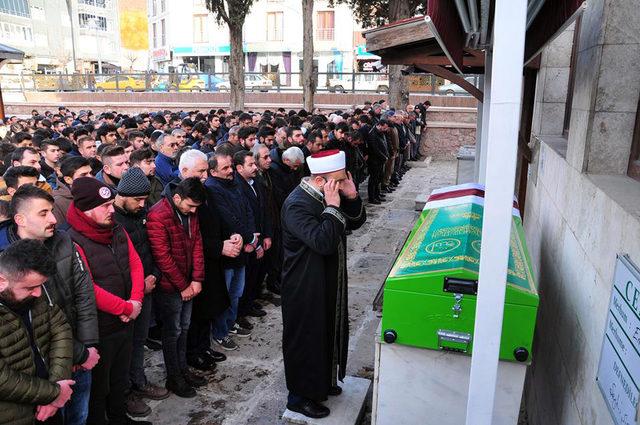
pixel 311 191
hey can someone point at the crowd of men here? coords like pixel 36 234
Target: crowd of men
pixel 161 230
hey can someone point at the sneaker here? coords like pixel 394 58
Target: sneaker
pixel 193 379
pixel 135 406
pixel 244 323
pixel 227 343
pixel 179 386
pixel 150 391
pixel 214 356
pixel 239 331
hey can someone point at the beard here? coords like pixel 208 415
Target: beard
pixel 9 298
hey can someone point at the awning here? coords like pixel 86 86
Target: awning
pixel 11 54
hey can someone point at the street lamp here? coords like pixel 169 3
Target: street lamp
pixel 94 25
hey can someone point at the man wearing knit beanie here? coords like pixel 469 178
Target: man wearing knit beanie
pixel 118 283
pixel 131 213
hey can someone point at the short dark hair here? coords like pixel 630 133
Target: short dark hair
pixel 201 127
pixel 213 161
pixel 104 129
pixel 124 144
pixel 18 154
pixel 191 188
pixel 12 175
pixel 140 155
pixel 21 136
pixel 25 194
pixel 291 129
pixel 133 134
pixel 24 256
pixel 244 116
pixel 245 132
pixel 240 157
pixel 111 151
pixel 71 164
pixel 48 142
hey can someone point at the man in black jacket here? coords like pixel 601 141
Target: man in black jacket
pixel 70 287
pixel 378 156
pixel 253 191
pixel 131 213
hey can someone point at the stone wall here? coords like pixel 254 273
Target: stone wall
pixel 581 208
pixel 447 130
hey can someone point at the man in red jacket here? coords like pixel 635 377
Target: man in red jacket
pixel 118 283
pixel 176 244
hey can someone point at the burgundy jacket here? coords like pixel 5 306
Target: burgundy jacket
pixel 177 254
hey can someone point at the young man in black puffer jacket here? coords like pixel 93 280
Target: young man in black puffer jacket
pixel 131 213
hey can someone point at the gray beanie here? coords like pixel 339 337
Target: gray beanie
pixel 134 183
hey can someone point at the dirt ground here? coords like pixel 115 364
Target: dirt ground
pixel 249 388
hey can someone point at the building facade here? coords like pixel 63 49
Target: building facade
pixel 185 32
pixel 582 210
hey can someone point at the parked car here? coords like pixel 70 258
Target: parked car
pixel 121 83
pixel 252 82
pixel 451 89
pixel 363 82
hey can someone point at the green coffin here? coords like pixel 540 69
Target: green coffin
pixel 429 295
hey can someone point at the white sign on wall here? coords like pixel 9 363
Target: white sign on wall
pixel 619 369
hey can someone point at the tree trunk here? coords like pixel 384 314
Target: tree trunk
pixel 308 84
pixel 236 69
pixel 398 90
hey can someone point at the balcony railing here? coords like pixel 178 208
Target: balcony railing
pixel 324 34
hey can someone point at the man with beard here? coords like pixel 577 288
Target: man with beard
pixel 145 160
pixel 114 164
pixel 69 287
pixel 130 213
pixel 71 168
pixel 315 218
pixel 35 339
pixel 166 168
pixel 118 283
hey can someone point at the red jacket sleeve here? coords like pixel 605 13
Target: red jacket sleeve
pixel 105 300
pixel 158 232
pixel 137 272
pixel 198 253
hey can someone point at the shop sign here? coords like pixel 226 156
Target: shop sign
pixel 619 369
pixel 160 55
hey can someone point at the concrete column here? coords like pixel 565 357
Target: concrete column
pixel 607 87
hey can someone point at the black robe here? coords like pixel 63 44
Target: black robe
pixel 314 290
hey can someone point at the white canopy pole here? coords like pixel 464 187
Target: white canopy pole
pixel 501 150
pixel 485 113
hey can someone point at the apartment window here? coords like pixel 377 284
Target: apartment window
pixel 325 25
pixel 634 159
pixel 163 32
pixel 97 3
pixel 163 6
pixel 15 7
pixel 154 7
pixel 87 21
pixel 200 34
pixel 155 35
pixel 15 33
pixel 274 26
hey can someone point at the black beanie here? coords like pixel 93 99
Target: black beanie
pixel 134 183
pixel 89 193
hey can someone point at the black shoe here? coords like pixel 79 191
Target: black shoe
pixel 374 201
pixel 333 391
pixel 193 379
pixel 201 362
pixel 244 323
pixel 153 345
pixel 180 387
pixel 310 409
pixel 274 287
pixel 256 312
pixel 215 355
pixel 382 197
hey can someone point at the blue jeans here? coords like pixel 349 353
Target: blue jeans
pixel 75 412
pixel 176 317
pixel 234 278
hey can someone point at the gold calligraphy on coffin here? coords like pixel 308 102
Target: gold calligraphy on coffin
pixel 519 272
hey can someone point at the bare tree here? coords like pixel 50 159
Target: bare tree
pixel 308 83
pixel 233 13
pixel 131 57
pixel 372 13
